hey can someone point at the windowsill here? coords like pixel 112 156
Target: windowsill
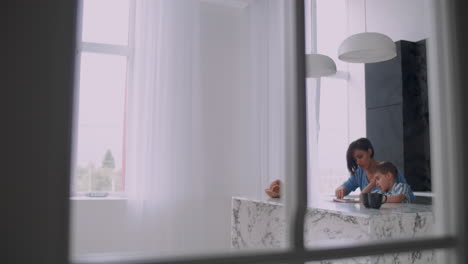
pixel 424 194
pixel 108 198
pixel 83 198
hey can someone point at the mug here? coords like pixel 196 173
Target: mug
pixel 376 200
pixel 365 199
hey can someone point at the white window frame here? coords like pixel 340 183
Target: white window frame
pixel 109 49
pixel 444 135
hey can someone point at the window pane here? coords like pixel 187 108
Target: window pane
pixel 100 125
pixel 197 136
pixel 361 107
pixel 105 21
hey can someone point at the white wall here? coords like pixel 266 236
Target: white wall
pixel 400 20
pixel 99 225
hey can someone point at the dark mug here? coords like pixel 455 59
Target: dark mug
pixel 365 199
pixel 376 200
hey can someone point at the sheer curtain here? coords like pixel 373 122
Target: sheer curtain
pixel 159 124
pixel 205 118
pixel 313 107
pixel 198 120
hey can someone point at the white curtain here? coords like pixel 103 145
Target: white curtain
pixel 205 118
pixel 159 124
pixel 313 107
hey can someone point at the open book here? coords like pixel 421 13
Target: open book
pixel 346 200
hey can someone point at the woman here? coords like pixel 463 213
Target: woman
pixel 361 165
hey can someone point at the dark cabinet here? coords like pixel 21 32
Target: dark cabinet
pixel 397 112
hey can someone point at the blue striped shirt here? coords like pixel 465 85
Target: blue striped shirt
pixel 398 188
pixel 359 179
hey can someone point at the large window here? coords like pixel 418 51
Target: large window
pixel 104 56
pixel 104 63
pixel 37 207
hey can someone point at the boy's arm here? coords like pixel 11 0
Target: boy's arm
pixel 402 179
pixel 400 193
pixel 398 198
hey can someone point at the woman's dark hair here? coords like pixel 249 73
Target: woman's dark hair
pixel 362 144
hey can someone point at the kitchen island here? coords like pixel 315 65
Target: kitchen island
pixel 260 224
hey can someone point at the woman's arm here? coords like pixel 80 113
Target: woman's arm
pixel 348 186
pixel 340 192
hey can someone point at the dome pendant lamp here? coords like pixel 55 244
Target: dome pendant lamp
pixel 319 65
pixel 367 47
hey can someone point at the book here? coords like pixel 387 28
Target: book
pixel 346 200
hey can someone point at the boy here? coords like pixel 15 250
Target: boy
pixel 385 179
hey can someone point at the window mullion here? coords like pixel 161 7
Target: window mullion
pixel 296 137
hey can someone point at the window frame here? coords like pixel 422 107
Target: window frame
pixel 107 49
pixel 442 140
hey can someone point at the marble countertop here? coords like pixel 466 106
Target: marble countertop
pixel 326 203
pixel 261 224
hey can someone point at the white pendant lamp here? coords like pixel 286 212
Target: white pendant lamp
pixel 367 47
pixel 319 65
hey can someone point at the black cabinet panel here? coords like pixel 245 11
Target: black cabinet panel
pixel 386 79
pixel 397 112
pixel 385 123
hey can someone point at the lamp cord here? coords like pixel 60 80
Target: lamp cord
pixel 365 16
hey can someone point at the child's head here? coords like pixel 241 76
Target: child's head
pixel 385 175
